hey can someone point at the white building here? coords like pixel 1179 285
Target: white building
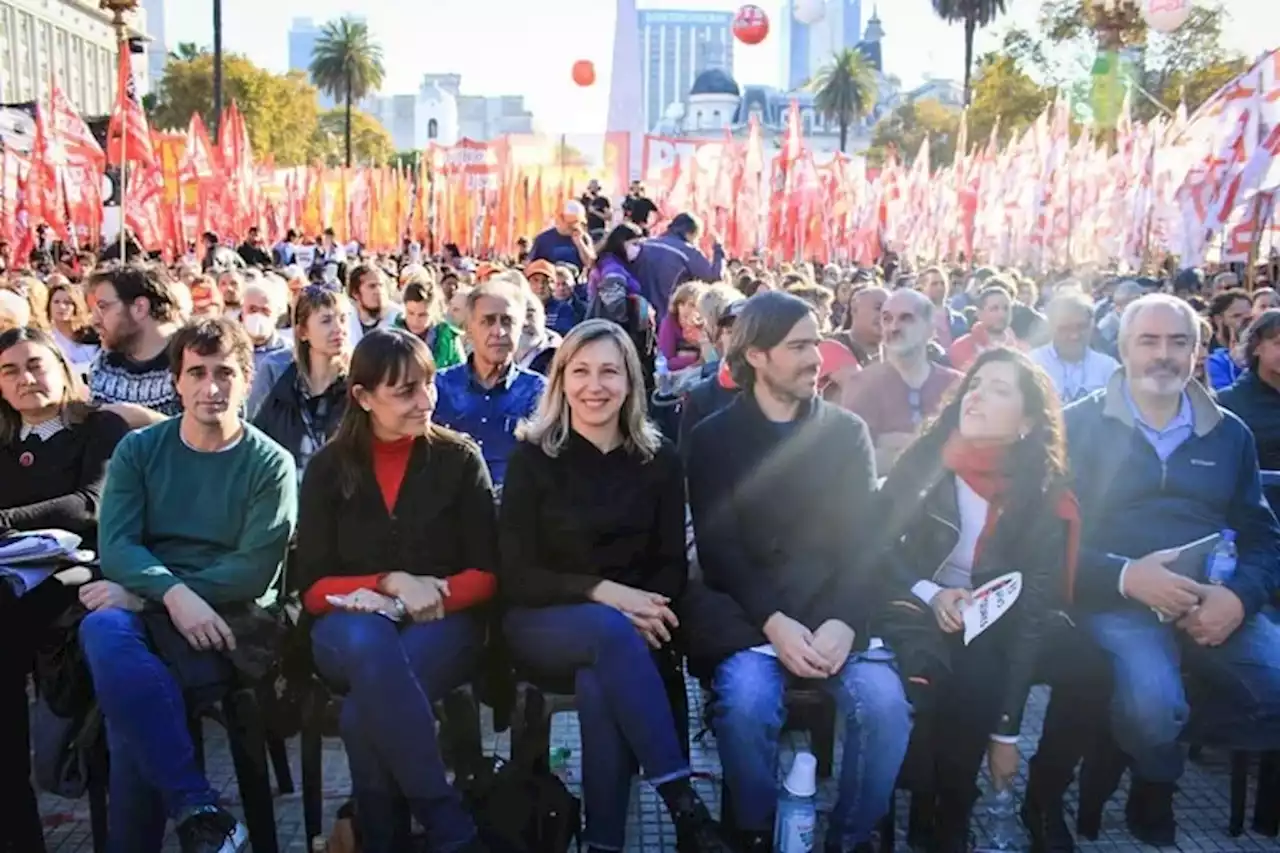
pixel 439 113
pixel 69 41
pixel 675 47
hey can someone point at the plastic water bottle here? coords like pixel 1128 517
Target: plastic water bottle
pixel 1006 834
pixel 1222 560
pixel 794 827
pixel 662 375
pixel 559 762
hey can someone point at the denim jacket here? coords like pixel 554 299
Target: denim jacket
pixel 488 415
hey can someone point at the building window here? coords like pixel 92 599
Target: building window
pixel 433 129
pixel 715 118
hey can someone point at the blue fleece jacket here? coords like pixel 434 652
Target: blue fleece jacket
pixel 1133 504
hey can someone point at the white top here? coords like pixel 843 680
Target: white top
pixel 1075 379
pixel 956 572
pixel 79 356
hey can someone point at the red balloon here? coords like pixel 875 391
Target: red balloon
pixel 584 73
pixel 751 25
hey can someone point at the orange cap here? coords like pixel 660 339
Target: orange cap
pixel 485 269
pixel 540 267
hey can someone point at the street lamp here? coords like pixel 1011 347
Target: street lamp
pixel 119 9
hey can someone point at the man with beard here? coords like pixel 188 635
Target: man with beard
pixel 995 306
pixel 775 481
pixel 1157 465
pixel 1229 313
pixel 135 312
pixel 371 307
pixel 488 394
pixel 899 393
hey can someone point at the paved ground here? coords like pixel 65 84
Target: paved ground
pixel 1201 805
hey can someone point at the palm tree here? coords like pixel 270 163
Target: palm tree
pixel 845 90
pixel 974 14
pixel 186 51
pixel 347 64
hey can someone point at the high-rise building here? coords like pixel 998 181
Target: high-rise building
pixel 303 35
pixel 797 39
pixel 675 46
pixel 158 49
pixel 807 48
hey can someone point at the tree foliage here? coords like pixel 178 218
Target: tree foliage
pixel 905 129
pixel 1003 93
pixel 845 90
pixel 370 142
pixel 347 64
pixel 974 14
pixel 279 109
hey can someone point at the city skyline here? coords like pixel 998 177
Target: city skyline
pixel 502 49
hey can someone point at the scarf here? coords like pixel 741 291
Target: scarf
pixel 983 468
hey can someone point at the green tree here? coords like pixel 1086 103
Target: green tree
pixel 974 14
pixel 845 90
pixel 279 109
pixel 400 159
pixel 1003 93
pixel 347 64
pixel 904 129
pixel 341 135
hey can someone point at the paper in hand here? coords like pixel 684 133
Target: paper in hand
pixel 990 601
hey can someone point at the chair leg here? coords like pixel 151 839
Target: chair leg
pixel 99 773
pixel 1266 806
pixel 462 740
pixel 195 727
pixel 1100 776
pixel 823 737
pixel 247 735
pixel 1239 791
pixel 530 729
pixel 312 748
pixel 278 750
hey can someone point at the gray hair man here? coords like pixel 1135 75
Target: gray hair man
pixel 1075 368
pixel 1159 466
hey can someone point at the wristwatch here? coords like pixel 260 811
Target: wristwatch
pixel 399 612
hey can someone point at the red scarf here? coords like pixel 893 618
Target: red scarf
pixel 983 468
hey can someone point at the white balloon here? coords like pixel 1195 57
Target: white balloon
pixel 1165 16
pixel 809 11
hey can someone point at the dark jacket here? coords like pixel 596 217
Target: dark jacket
pixel 778 511
pixel 921 526
pixel 701 401
pixel 1258 405
pixel 666 262
pixel 280 415
pixel 1133 504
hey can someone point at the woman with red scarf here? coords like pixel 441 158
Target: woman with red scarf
pixel 983 493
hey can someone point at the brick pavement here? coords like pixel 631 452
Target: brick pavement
pixel 1202 802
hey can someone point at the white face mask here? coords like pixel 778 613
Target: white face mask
pixel 259 326
pixel 633 251
pixel 232 314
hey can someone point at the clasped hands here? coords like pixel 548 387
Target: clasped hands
pixel 809 654
pixel 650 612
pixel 422 597
pixel 1208 613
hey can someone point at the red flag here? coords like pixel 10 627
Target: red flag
pixel 128 122
pixel 69 130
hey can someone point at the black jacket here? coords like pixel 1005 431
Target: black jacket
pixel 1258 405
pixel 778 511
pixel 701 401
pixel 280 415
pixel 920 525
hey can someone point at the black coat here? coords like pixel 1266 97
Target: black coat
pixel 920 525
pixel 778 517
pixel 1258 405
pixel 280 415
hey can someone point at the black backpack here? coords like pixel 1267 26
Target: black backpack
pixel 523 810
pixel 613 301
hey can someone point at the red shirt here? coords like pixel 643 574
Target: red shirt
pixel 881 397
pixel 466 589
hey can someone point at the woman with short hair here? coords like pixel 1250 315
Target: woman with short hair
pixel 592 537
pixel 396 541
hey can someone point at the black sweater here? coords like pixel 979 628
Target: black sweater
pixel 569 522
pixel 443 520
pixel 60 485
pixel 778 510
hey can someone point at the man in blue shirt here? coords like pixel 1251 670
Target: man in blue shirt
pixel 566 242
pixel 488 394
pixel 1157 464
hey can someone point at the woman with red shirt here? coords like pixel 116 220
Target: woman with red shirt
pixel 396 539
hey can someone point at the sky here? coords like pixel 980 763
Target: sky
pixel 527 47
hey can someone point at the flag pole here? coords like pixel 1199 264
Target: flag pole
pixel 118 9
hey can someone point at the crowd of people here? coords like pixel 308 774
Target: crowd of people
pixel 616 458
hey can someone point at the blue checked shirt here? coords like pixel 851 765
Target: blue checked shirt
pixel 488 415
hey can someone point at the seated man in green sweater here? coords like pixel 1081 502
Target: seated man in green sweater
pixel 196 518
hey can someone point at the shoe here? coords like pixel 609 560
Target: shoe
pixel 951 833
pixel 1044 819
pixel 212 830
pixel 754 842
pixel 1149 813
pixel 696 831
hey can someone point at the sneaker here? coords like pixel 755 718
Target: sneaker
pixel 696 831
pixel 212 831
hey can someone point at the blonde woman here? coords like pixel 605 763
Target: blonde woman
pixel 591 535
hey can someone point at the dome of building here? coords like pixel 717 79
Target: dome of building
pixel 714 81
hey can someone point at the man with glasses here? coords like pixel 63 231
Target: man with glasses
pixel 1075 369
pixel 901 390
pixel 717 389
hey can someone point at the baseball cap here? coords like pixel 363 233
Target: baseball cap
pixel 540 267
pixel 485 269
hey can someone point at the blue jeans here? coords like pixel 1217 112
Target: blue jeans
pixel 623 711
pixel 1149 709
pixel 154 772
pixel 390 675
pixel 748 715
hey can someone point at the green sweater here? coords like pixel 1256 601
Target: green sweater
pixel 218 522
